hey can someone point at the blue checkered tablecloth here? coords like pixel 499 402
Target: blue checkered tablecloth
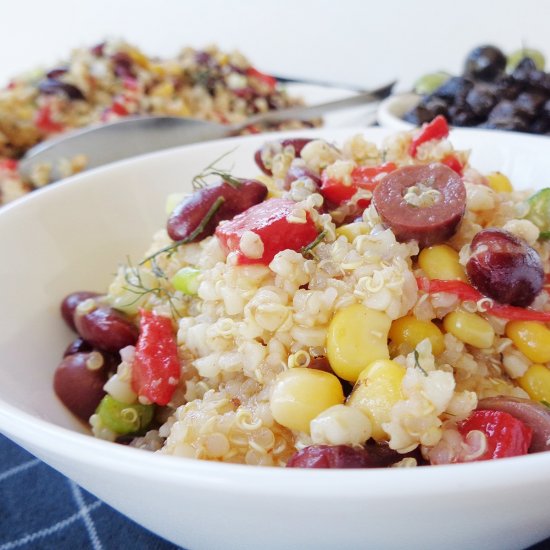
pixel 40 509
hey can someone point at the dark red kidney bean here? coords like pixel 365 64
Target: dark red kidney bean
pixel 97 50
pixel 189 213
pixel 77 346
pixel 372 455
pixel 53 86
pixel 431 224
pixel 105 328
pixel 273 147
pixel 70 303
pixel 300 171
pixel 56 72
pixel 78 387
pixel 534 415
pixel 505 268
pixel 123 64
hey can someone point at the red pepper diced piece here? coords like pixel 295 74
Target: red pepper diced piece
pixel 44 121
pixel 9 165
pixel 156 367
pixel 436 129
pixel 466 292
pixel 453 163
pixel 362 177
pixel 506 435
pixel 269 80
pixel 269 220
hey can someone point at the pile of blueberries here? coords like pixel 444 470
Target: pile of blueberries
pixel 493 92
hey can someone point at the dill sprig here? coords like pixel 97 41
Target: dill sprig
pixel 200 180
pixel 308 249
pixel 545 403
pixel 192 236
pixel 136 285
pixel 417 363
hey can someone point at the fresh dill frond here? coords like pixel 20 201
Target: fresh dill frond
pixel 308 249
pixel 200 180
pixel 169 249
pixel 417 363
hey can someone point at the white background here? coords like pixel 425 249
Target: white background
pixel 347 41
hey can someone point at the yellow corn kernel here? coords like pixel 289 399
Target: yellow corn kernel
pixel 301 394
pixel 499 182
pixel 351 230
pixel 536 382
pixel 441 262
pixel 163 89
pixel 410 330
pixel 138 57
pixel 531 338
pixel 356 337
pixel 470 328
pixel 376 391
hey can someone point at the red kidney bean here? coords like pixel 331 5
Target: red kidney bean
pixel 505 268
pixel 53 86
pixel 77 346
pixel 78 387
pixel 105 328
pixel 189 213
pixel 430 223
pixel 97 50
pixel 123 64
pixel 298 170
pixel 70 303
pixel 534 415
pixel 372 455
pixel 270 149
pixel 56 72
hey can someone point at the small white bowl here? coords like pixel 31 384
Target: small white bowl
pixel 71 236
pixel 392 110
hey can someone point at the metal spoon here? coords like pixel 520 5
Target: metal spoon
pixel 132 136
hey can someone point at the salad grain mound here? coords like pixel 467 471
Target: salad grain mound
pixel 352 306
pixel 115 79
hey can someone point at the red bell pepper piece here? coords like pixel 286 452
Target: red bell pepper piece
pixel 505 435
pixel 269 220
pixel 453 163
pixel 10 165
pixel 156 367
pixel 436 129
pixel 466 292
pixel 44 121
pixel 270 81
pixel 362 177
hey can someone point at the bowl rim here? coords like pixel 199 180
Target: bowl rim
pixel 36 434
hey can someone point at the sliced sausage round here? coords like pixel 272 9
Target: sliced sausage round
pixel 424 203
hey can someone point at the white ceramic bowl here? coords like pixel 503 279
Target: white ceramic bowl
pixel 72 235
pixel 391 111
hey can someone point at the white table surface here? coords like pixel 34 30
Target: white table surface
pixel 362 42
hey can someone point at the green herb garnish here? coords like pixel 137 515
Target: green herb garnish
pixel 308 249
pixel 417 363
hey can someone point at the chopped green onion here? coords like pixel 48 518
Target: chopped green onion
pixel 539 212
pixel 123 418
pixel 186 280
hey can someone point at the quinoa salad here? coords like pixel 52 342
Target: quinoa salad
pixel 116 79
pixel 347 306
